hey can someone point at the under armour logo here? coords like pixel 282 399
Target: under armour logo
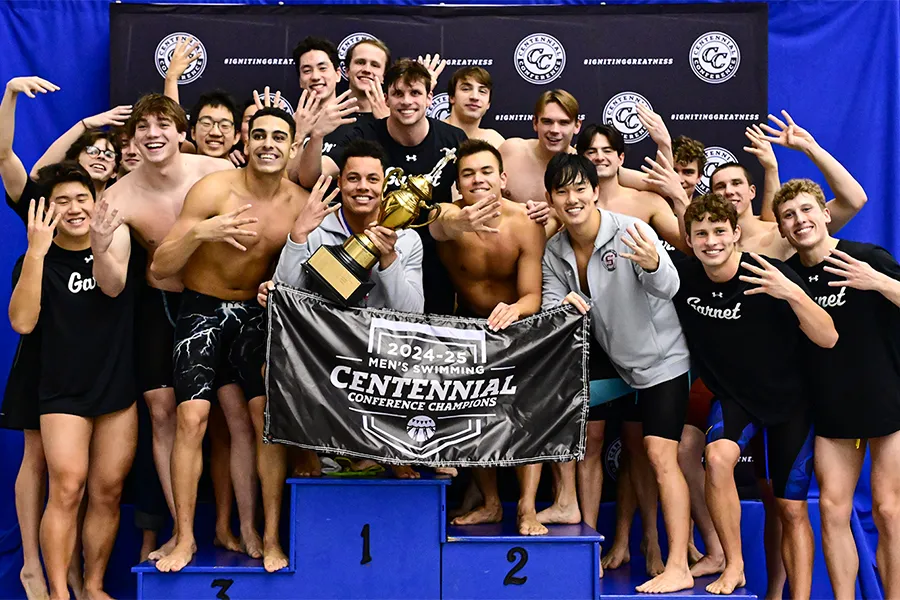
pixel 411 157
pixel 88 259
pixel 717 294
pixel 813 278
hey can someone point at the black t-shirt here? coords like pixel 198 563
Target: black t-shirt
pixel 864 365
pixel 418 160
pixel 745 348
pixel 24 374
pixel 344 132
pixel 32 191
pixel 87 336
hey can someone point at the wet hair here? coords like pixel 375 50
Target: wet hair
pixel 480 75
pixel 711 207
pixel 566 169
pixel 409 72
pixel 360 148
pixel 794 188
pixel 90 138
pixel 586 138
pixel 372 42
pixel 686 151
pixel 273 111
pixel 316 43
pixel 728 165
pixel 64 172
pixel 473 146
pixel 564 99
pixel 215 99
pixel 159 106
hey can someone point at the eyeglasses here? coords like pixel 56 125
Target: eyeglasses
pixel 206 124
pixel 95 151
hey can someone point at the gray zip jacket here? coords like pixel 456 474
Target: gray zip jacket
pixel 632 314
pixel 398 287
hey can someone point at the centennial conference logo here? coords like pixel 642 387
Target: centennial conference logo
pixel 282 103
pixel 163 57
pixel 715 156
pixel 346 44
pixel 540 58
pixel 715 57
pixel 621 113
pixel 440 107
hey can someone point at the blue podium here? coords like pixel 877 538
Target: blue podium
pixel 387 538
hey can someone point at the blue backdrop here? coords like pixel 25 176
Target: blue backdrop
pixel 832 64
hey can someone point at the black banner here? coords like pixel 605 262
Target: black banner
pixel 704 68
pixel 406 388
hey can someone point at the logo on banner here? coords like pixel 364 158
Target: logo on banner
pixel 715 57
pixel 346 44
pixel 715 156
pixel 282 103
pixel 613 457
pixel 440 107
pixel 621 113
pixel 540 58
pixel 163 57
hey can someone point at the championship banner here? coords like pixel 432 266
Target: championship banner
pixel 405 388
pixel 702 67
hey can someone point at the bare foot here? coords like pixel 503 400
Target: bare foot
pixel 96 594
pixel 694 555
pixel 251 543
pixel 450 471
pixel 482 514
pixel 148 543
pixel 164 550
pixel 227 541
pixel 177 559
pixel 529 525
pixel 708 565
pixel 557 513
pixel 274 558
pixel 405 472
pixel 617 556
pixel 307 464
pixel 728 582
pixel 33 581
pixel 472 499
pixel 653 556
pixel 671 580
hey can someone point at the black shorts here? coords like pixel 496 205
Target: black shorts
pixel 788 446
pixel 157 313
pixel 20 410
pixel 664 407
pixel 214 336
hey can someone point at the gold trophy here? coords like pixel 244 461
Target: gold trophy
pixel 342 272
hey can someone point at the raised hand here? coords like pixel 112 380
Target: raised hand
pixel 336 114
pixel 770 280
pixel 503 316
pixel 385 241
pixel 375 96
pixel 789 134
pixel 654 125
pixel 227 227
pixel 435 67
pixel 30 85
pixel 237 158
pixel 857 274
pixel 643 250
pixel 474 218
pixel 262 294
pixel 308 109
pixel 41 226
pixel 315 210
pixel 104 223
pixel 114 117
pixel 539 212
pixel 186 51
pixel 760 147
pixel 575 299
pixel 266 101
pixel 662 178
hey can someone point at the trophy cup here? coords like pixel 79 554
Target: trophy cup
pixel 342 272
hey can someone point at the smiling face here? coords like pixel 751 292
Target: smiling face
pixel 555 128
pixel 361 182
pixel 131 156
pixel 470 99
pixel 575 202
pixel 317 74
pixel 270 145
pixel 75 204
pixel 731 184
pixel 157 138
pixel 803 221
pixel 408 101
pixel 479 177
pixel 604 157
pixel 713 242
pixel 689 175
pixel 367 64
pixel 99 160
pixel 214 131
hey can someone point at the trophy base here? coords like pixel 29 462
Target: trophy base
pixel 338 276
